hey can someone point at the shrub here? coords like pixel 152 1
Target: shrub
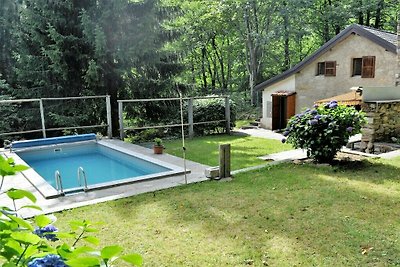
pixel 323 130
pixel 212 109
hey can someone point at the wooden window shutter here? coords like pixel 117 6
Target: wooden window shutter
pixel 368 67
pixel 330 68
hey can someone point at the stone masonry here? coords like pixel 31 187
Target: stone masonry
pixel 383 123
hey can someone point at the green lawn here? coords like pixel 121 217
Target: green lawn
pixel 244 149
pixel 285 215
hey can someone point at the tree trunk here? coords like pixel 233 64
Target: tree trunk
pixel 368 18
pixel 378 14
pixel 286 38
pixel 112 83
pixel 203 69
pixel 360 13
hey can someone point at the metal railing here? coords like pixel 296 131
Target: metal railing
pixel 42 114
pixel 82 176
pixel 59 185
pixel 190 123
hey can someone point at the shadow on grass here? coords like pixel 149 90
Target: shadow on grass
pixel 283 216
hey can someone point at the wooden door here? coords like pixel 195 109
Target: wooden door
pixel 283 108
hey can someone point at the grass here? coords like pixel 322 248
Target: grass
pixel 244 149
pixel 285 215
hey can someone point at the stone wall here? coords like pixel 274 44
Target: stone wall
pixel 383 123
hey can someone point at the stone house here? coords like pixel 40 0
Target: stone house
pixel 359 56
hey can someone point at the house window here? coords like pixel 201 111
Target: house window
pixel 321 68
pixel 357 66
pixel 327 68
pixel 364 66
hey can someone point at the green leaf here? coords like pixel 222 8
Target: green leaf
pixel 42 220
pixel 21 222
pixel 65 235
pixel 26 238
pixel 83 262
pixel 19 194
pixel 110 251
pixel 13 247
pixel 9 264
pixel 84 249
pixel 91 239
pixel 134 259
pixel 20 168
pixel 30 207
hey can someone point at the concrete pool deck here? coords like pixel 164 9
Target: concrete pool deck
pixel 96 196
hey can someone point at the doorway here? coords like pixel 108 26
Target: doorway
pixel 283 108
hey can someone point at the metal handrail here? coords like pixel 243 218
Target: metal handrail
pixel 82 174
pixel 59 185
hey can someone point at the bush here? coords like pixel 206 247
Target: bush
pixel 211 109
pixel 323 130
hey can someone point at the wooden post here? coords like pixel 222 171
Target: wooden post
pixel 121 121
pixel 42 118
pixel 224 160
pixel 109 121
pixel 227 115
pixel 190 118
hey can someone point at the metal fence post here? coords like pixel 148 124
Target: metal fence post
pixel 190 117
pixel 227 115
pixel 121 120
pixel 109 120
pixel 42 118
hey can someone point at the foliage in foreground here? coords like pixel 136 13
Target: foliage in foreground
pixel 27 242
pixel 323 130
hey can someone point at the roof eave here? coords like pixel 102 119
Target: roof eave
pixel 343 34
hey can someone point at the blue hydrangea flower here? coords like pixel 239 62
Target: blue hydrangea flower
pixel 314 112
pixel 333 105
pixel 49 260
pixel 349 129
pixel 286 133
pixel 299 115
pixel 45 232
pixel 315 106
pixel 317 117
pixel 307 110
pixel 313 122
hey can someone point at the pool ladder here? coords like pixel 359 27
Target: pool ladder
pixel 82 176
pixel 59 185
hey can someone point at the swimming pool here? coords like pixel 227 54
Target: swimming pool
pixel 97 164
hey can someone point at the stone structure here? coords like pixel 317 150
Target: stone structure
pixel 383 123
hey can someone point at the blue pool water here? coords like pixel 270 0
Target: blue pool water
pixel 100 163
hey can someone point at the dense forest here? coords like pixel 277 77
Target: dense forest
pixel 151 48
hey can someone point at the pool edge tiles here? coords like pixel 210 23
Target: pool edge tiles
pixel 48 191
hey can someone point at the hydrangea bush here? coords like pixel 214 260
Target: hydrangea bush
pixel 31 242
pixel 323 130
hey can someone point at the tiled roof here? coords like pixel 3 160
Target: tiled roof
pixel 383 38
pixel 387 36
pixel 350 99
